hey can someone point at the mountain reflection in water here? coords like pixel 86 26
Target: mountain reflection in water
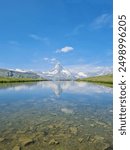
pixel 59 87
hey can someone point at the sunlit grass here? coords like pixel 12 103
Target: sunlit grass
pixel 106 80
pixel 13 80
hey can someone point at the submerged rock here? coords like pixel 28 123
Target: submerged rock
pixel 74 130
pixel 92 125
pixel 2 139
pixel 53 142
pixel 45 139
pixel 67 111
pixel 109 148
pixel 45 132
pixel 98 138
pixel 80 140
pixel 51 126
pixel 17 148
pixel 26 141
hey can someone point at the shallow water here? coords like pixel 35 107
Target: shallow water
pixel 55 116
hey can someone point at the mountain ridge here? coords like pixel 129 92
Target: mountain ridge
pixel 58 72
pixel 17 74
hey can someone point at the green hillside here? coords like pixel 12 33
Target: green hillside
pixel 104 80
pixel 14 80
pixel 10 76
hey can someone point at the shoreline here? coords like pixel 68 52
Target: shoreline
pixel 19 80
pixel 106 80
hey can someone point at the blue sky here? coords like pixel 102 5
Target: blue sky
pixel 34 34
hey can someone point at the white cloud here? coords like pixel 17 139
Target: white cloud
pixel 65 49
pixel 101 21
pixel 51 60
pixel 46 58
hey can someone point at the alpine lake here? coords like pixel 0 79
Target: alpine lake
pixel 60 115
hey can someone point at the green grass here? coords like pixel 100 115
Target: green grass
pixel 15 80
pixel 106 80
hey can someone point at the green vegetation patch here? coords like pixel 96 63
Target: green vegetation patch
pixel 13 80
pixel 104 80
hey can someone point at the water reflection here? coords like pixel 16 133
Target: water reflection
pixel 59 87
pixel 74 87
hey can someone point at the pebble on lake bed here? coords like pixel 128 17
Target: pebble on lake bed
pixel 53 142
pixel 26 141
pixel 2 139
pixel 98 138
pixel 16 148
pixel 74 130
pixel 80 140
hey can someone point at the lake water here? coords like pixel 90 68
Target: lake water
pixel 55 116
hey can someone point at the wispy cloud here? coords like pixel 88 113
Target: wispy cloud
pixel 39 38
pixel 36 37
pixel 65 49
pixel 76 30
pixel 50 60
pixel 102 21
pixel 45 58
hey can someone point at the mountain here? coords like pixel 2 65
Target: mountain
pixel 99 71
pixel 18 73
pixel 57 73
pixel 80 75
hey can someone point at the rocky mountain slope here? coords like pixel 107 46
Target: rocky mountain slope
pixel 18 74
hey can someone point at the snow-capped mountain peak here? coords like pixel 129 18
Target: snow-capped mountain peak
pixel 58 67
pixel 58 73
pixel 20 70
pixel 82 75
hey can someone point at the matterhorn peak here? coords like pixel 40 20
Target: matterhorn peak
pixel 58 73
pixel 58 67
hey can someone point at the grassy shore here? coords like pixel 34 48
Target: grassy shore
pixel 106 80
pixel 15 80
